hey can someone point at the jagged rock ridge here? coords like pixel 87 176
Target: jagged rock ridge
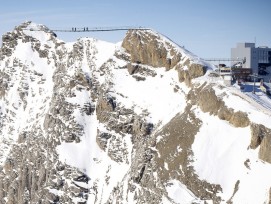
pixel 145 121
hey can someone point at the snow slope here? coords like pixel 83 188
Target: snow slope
pixel 220 152
pixel 33 76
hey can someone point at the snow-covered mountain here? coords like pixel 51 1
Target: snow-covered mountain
pixel 140 121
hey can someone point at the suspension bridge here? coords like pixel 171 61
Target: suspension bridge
pixel 93 29
pixel 224 59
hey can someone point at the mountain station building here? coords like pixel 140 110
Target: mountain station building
pixel 256 58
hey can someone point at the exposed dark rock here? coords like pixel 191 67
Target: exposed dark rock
pixel 83 178
pixel 139 78
pixel 132 68
pixel 236 188
pixel 142 128
pixel 139 177
pixel 4 78
pixel 105 106
pixel 247 163
pixel 141 70
pixel 102 139
pixel 88 109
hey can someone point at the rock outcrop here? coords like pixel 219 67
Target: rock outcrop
pixel 206 98
pixel 190 71
pixel 146 47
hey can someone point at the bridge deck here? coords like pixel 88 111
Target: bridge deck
pixel 96 29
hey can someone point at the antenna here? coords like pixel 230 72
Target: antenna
pixel 255 40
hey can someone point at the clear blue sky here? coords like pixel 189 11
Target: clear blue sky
pixel 208 28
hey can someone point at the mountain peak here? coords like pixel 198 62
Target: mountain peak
pixel 144 121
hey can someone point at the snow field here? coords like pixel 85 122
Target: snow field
pixel 220 152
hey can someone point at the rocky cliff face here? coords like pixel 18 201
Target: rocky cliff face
pixel 150 48
pixel 141 122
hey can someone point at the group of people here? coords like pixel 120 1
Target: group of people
pixel 84 29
